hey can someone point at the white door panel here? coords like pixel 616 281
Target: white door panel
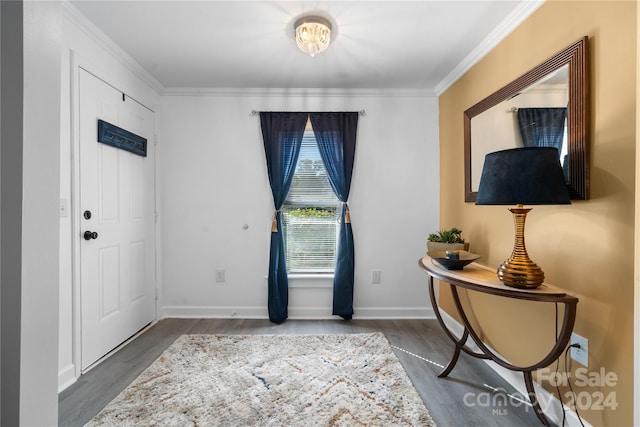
pixel 117 187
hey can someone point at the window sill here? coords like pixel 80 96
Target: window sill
pixel 310 280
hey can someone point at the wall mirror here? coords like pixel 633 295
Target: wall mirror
pixel 548 105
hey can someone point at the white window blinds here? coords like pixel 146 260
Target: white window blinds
pixel 310 214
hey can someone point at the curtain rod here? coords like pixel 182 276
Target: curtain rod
pixel 361 112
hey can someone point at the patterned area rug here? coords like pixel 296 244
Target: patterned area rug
pixel 271 380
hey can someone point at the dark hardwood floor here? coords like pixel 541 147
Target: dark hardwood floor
pixel 462 399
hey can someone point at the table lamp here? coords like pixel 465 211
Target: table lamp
pixel 522 176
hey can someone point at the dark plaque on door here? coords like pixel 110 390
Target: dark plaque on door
pixel 117 137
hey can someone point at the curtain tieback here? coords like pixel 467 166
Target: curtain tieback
pixel 347 217
pixel 274 223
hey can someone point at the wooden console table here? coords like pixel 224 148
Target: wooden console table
pixel 480 279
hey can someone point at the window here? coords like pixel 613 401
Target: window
pixel 310 214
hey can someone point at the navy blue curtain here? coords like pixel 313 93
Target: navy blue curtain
pixel 336 137
pixel 542 127
pixel 282 136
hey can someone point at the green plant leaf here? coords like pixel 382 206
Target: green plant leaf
pixel 453 235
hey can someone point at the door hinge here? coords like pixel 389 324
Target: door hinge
pixel 155 139
pixel 155 217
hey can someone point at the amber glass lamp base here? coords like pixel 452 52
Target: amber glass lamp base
pixel 519 271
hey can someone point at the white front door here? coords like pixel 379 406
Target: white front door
pixel 117 255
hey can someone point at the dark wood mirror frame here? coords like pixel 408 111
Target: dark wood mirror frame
pixel 576 56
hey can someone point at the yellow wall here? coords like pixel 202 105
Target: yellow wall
pixel 586 247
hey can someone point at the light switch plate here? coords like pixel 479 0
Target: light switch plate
pixel 376 277
pixel 220 276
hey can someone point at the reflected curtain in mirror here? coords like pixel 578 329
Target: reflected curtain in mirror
pixel 545 127
pixel 542 127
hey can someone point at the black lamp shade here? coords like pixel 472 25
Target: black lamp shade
pixel 527 176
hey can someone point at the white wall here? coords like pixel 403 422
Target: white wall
pixel 213 180
pixel 40 144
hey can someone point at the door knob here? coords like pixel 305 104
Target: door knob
pixel 88 235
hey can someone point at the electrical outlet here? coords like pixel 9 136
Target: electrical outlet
pixel 376 277
pixel 581 354
pixel 219 276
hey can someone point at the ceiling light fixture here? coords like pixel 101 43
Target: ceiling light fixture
pixel 313 34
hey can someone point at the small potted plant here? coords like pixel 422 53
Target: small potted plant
pixel 447 240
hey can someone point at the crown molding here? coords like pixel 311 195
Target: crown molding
pixel 70 12
pixel 510 23
pixel 300 92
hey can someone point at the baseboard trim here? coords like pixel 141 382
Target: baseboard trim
pixel 66 377
pixel 394 313
pixel 550 404
pixel 217 312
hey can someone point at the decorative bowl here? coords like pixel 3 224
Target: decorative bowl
pixel 451 263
